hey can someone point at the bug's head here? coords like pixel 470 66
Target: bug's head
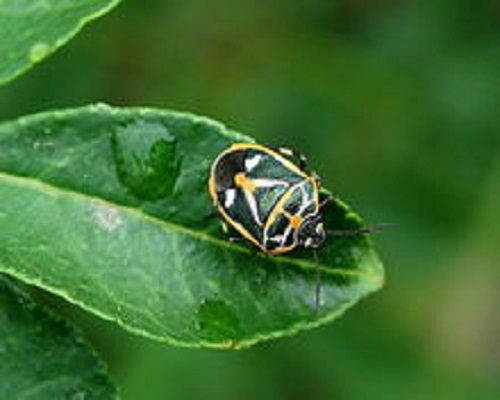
pixel 311 232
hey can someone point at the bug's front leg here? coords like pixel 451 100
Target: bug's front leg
pixel 328 199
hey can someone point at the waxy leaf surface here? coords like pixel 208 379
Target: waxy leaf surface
pixel 109 208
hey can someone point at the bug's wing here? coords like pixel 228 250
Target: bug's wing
pixel 299 201
pixel 271 179
pixel 241 212
pixel 261 164
pixel 247 206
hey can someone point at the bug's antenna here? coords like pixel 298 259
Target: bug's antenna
pixel 364 229
pixel 317 282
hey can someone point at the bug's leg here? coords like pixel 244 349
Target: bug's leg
pixel 235 239
pixel 361 230
pixel 231 234
pixel 316 177
pixel 301 158
pixel 317 283
pixel 325 201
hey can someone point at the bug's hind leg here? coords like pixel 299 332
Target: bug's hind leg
pixel 235 239
pixel 233 236
pixel 225 228
pixel 317 283
pixel 240 239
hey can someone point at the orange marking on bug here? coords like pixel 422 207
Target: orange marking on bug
pixel 243 182
pixel 295 221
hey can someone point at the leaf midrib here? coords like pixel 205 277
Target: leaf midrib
pixel 60 191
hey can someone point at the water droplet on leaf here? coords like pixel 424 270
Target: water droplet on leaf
pixel 38 52
pixel 101 107
pixel 146 159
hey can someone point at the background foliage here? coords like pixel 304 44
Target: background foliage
pixel 396 105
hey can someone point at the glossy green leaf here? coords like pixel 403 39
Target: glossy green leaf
pixel 42 357
pixel 30 30
pixel 109 208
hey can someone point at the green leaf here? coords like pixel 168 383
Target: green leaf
pixel 109 208
pixel 30 30
pixel 42 357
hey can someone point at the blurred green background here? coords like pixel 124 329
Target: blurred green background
pixel 397 106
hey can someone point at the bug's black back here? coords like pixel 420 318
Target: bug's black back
pixel 253 186
pixel 226 169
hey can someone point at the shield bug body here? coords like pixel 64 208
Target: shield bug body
pixel 268 199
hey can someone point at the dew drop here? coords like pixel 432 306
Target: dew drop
pixel 101 107
pixel 38 52
pixel 146 159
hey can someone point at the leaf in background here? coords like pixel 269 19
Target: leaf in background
pixel 42 357
pixel 30 30
pixel 108 208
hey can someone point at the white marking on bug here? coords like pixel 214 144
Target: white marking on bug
pixel 277 238
pixel 289 230
pixel 306 200
pixel 267 183
pixel 284 150
pixel 252 203
pixel 285 235
pixel 230 197
pixel 106 217
pixel 251 163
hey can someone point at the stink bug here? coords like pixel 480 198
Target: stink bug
pixel 268 199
